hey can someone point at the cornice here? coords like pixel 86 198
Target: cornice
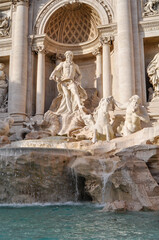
pixel 149 25
pixel 53 46
pixel 106 30
pixel 17 1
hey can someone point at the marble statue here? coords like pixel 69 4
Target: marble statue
pixel 101 116
pixel 150 7
pixel 32 129
pixel 68 77
pixel 5 126
pixel 153 73
pixel 3 89
pixel 4 27
pixel 135 114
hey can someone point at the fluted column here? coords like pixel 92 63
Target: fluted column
pixel 125 50
pixel 98 79
pixel 18 78
pixel 107 86
pixel 40 85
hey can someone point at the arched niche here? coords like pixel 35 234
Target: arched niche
pixel 71 25
pixel 103 8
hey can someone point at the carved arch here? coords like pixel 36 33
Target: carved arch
pixel 102 7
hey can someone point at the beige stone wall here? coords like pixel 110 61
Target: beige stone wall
pixel 51 86
pixel 87 68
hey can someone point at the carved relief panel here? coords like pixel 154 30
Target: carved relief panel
pixel 150 7
pixel 5 23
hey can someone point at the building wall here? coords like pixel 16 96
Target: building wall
pixel 144 40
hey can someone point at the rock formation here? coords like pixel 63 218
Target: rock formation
pixel 123 180
pixel 37 175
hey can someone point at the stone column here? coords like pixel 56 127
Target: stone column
pixel 140 83
pixel 40 85
pixel 98 79
pixel 18 79
pixel 107 86
pixel 125 50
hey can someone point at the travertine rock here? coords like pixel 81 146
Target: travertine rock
pixel 144 136
pixel 125 181
pixel 116 206
pixel 37 175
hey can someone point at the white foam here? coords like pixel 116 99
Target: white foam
pixel 37 204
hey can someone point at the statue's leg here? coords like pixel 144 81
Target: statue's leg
pixel 67 97
pixel 75 93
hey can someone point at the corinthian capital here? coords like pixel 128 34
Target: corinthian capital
pixel 97 51
pixel 40 49
pixel 20 2
pixel 106 40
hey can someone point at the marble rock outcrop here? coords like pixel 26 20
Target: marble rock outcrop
pixel 37 175
pixel 125 181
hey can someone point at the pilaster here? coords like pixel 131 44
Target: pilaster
pixel 40 86
pixel 107 86
pixel 98 79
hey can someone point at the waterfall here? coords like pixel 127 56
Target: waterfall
pixel 105 177
pixel 75 178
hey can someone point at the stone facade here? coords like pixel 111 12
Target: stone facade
pixel 113 43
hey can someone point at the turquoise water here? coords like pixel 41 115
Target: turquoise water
pixel 61 222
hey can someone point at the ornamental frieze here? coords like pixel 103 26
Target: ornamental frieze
pixel 151 8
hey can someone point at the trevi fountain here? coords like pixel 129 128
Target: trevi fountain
pixel 79 119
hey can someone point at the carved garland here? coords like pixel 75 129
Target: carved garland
pixel 54 2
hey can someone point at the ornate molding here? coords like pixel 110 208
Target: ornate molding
pixel 110 29
pixel 97 51
pixel 53 3
pixel 107 10
pixel 59 48
pixel 149 26
pixel 106 40
pixel 17 1
pixel 41 49
pixel 20 2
